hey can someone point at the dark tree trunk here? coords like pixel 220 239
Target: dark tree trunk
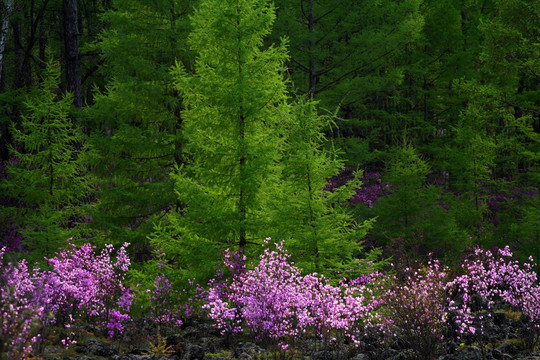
pixel 312 60
pixel 71 43
pixel 22 65
pixel 42 44
pixel 8 7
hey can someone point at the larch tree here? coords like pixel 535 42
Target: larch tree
pixel 352 55
pixel 47 178
pixel 135 121
pixel 321 232
pixel 235 109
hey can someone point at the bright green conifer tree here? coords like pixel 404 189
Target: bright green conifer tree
pixel 235 111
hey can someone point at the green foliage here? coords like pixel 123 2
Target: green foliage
pixel 353 56
pixel 457 79
pixel 160 347
pixel 47 175
pixel 135 120
pixel 323 233
pixel 473 154
pixel 235 107
pixel 416 217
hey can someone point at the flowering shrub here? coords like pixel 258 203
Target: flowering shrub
pixel 163 301
pixel 273 300
pixel 83 283
pixel 414 308
pixel 158 301
pixel 18 311
pixel 80 286
pixel 494 276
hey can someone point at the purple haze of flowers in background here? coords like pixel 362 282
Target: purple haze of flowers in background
pixel 373 188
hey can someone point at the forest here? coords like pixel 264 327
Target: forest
pixel 191 159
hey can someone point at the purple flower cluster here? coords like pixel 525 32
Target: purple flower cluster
pixel 18 311
pixel 82 285
pixel 10 238
pixel 274 301
pixel 414 308
pixel 504 199
pixel 163 302
pixel 271 299
pixel 494 276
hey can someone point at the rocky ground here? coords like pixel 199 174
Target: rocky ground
pixel 505 339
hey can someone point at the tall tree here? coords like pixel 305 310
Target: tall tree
pixel 47 177
pixel 136 117
pixel 352 55
pixel 322 234
pixel 71 45
pixel 239 91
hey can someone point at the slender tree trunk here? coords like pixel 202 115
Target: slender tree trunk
pixel 42 44
pixel 71 43
pixel 242 206
pixel 242 201
pixel 20 59
pixel 25 45
pixel 312 59
pixel 311 212
pixel 8 7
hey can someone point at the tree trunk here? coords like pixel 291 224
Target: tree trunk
pixel 71 43
pixel 311 51
pixel 8 7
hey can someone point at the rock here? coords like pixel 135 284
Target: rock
pixel 121 357
pixel 141 350
pixel 132 357
pixel 497 355
pixel 193 352
pixel 96 347
pixel 49 350
pixel 404 355
pixel 244 356
pixel 248 348
pixel 508 348
pixel 499 318
pixel 208 345
pixel 467 353
pixel 191 332
pixel 174 340
pixel 360 357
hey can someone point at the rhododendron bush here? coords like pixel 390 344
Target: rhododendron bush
pixel 494 276
pixel 81 285
pixel 273 300
pixel 18 311
pixel 414 308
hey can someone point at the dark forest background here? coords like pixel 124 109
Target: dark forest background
pixel 342 126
